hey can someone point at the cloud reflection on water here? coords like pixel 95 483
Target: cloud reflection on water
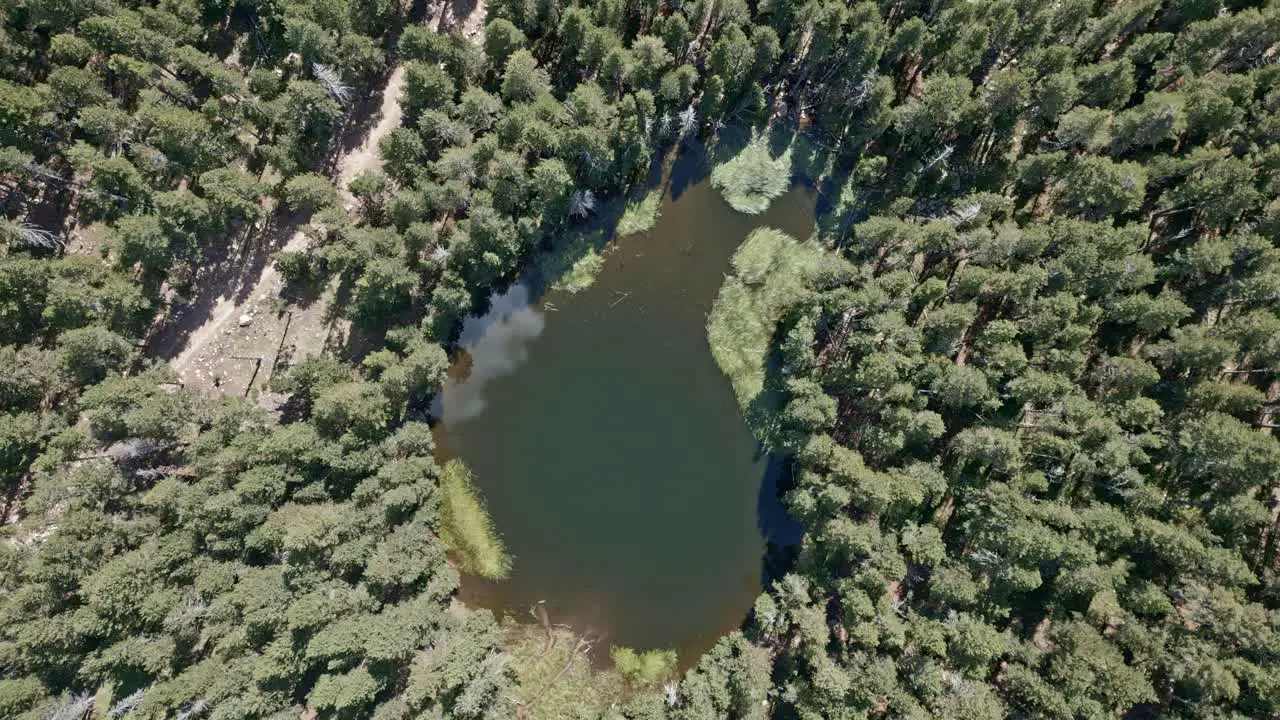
pixel 497 344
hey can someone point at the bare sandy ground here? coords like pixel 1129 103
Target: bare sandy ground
pixel 473 25
pixel 366 156
pixel 248 324
pixel 466 16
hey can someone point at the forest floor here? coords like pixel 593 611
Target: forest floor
pixel 230 337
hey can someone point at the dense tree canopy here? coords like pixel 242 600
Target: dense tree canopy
pixel 1027 369
pixel 1032 443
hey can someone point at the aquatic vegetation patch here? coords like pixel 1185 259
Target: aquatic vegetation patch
pixel 640 215
pixel 770 271
pixel 581 273
pixel 649 667
pixel 752 179
pixel 574 261
pixel 467 528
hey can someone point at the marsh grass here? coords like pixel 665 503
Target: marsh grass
pixel 574 259
pixel 641 215
pixel 770 271
pixel 752 178
pixel 576 254
pixel 465 525
pixel 644 668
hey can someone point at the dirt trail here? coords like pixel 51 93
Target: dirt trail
pixel 235 346
pixel 366 156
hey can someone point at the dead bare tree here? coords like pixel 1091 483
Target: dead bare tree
pixel 333 83
pixel 24 234
pixel 126 704
pixel 688 121
pixel 582 203
pixel 73 708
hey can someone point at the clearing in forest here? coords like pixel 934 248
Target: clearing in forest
pixel 235 335
pixel 231 336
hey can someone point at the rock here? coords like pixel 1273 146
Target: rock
pixel 245 319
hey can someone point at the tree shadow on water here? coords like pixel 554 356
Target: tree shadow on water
pixel 692 165
pixel 781 532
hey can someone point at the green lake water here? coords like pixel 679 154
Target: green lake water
pixel 609 447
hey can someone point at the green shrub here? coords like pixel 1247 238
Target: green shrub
pixel 652 666
pixel 309 192
pixel 296 267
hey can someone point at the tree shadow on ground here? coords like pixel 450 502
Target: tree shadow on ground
pixel 356 125
pixel 229 270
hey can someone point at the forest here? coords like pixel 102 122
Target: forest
pixel 1027 369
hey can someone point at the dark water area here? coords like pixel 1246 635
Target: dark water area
pixel 609 447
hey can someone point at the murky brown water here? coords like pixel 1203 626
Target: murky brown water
pixel 609 447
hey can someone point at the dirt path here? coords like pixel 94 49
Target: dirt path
pixel 366 156
pixel 234 348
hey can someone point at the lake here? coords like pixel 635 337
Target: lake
pixel 609 447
